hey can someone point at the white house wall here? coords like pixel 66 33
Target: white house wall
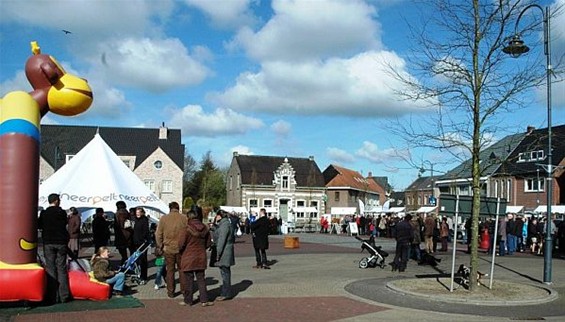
pixel 169 171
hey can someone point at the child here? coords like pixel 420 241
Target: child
pixel 101 268
pixel 161 268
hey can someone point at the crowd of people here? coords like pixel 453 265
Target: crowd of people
pixel 514 233
pixel 181 241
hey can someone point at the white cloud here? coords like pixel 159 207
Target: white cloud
pixel 304 30
pixel 18 83
pixel 225 13
pixel 370 151
pixel 152 64
pixel 193 120
pixel 339 155
pixel 281 128
pixel 359 86
pixel 83 18
pixel 241 149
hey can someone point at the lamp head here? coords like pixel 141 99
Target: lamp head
pixel 516 47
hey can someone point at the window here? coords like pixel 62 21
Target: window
pixel 300 203
pixel 285 182
pixel 231 183
pixel 463 190
pixel 167 186
pixel 267 203
pixel 158 164
pixel 531 156
pixel 150 184
pixel 534 185
pixel 253 203
pixel 336 196
pixel 299 215
pixel 509 189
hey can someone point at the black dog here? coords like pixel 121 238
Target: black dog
pixel 428 259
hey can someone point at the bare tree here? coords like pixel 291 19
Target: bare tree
pixel 458 68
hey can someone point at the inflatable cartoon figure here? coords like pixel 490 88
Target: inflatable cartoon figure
pixel 21 278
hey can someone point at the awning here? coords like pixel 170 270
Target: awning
pixel 554 209
pixel 426 209
pixel 396 209
pixel 343 210
pixel 514 209
pixel 269 210
pixel 373 209
pixel 304 209
pixel 236 210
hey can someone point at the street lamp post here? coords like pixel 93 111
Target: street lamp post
pixel 422 170
pixel 516 48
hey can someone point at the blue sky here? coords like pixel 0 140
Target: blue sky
pixel 286 78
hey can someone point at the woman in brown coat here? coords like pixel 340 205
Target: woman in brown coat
pixel 193 243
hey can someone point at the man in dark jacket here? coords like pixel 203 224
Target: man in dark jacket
pixel 100 230
pixel 260 231
pixel 404 236
pixel 53 223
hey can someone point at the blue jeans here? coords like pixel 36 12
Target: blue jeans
pixel 502 247
pixel 159 276
pixel 225 291
pixel 117 281
pixel 511 240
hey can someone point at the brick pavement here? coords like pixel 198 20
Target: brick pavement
pixel 320 281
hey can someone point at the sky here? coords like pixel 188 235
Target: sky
pixel 293 78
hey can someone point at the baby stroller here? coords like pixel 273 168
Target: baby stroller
pixel 131 268
pixel 377 257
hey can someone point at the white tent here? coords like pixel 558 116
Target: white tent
pixel 340 211
pixel 97 177
pixel 559 209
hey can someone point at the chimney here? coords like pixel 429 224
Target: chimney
pixel 163 131
pixel 311 158
pixel 235 153
pixel 530 129
pixel 370 174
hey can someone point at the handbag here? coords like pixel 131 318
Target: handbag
pixel 238 233
pixel 213 255
pixel 128 223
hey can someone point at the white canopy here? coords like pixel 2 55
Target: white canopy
pixel 343 210
pixel 426 209
pixel 513 209
pixel 233 209
pixel 396 209
pixel 554 209
pixel 97 177
pixel 304 209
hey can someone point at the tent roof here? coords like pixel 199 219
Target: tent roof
pixel 343 210
pixel 426 209
pixel 97 177
pixel 60 140
pixel 554 209
pixel 514 209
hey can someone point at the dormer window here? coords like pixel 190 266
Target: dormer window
pixel 285 182
pixel 531 156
